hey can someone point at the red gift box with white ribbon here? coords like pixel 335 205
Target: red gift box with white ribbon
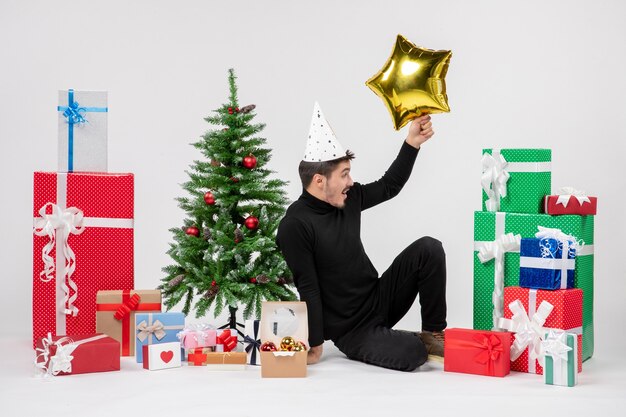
pixel 82 243
pixel 570 201
pixel 531 313
pixel 77 354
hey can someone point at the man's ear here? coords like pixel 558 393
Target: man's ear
pixel 318 180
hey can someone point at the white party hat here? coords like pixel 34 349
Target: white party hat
pixel 322 144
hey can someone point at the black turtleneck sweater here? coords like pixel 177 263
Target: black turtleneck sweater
pixel 322 246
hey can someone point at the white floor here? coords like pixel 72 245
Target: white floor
pixel 334 387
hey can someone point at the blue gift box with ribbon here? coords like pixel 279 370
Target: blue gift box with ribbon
pixel 546 264
pixel 82 131
pixel 155 328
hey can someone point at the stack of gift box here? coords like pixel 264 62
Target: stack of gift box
pixel 86 312
pixel 533 273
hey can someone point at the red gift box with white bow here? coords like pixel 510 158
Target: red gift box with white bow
pixel 77 354
pixel 82 243
pixel 570 201
pixel 530 314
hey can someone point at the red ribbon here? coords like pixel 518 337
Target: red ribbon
pixel 229 341
pixel 489 345
pixel 197 356
pixel 122 313
pixel 127 306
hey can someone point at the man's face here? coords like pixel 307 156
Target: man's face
pixel 337 185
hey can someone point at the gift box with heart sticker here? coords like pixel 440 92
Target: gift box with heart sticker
pixel 161 356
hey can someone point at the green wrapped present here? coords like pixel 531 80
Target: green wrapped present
pixel 515 180
pixel 494 231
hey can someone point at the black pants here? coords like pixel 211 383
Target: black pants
pixel 419 269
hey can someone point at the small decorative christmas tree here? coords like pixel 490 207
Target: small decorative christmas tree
pixel 225 254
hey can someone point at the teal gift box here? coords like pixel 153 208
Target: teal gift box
pixel 156 328
pixel 490 226
pixel 561 353
pixel 516 180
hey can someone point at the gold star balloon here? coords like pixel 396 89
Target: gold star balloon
pixel 412 82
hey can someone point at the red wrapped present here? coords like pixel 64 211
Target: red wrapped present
pixel 83 242
pixel 531 313
pixel 226 340
pixel 478 352
pixel 570 201
pixel 77 354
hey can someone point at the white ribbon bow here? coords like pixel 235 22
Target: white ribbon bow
pixel 494 179
pixel 567 242
pixel 555 345
pixel 62 359
pixel 528 331
pixel 496 250
pixel 66 221
pixel 566 193
pixel 157 329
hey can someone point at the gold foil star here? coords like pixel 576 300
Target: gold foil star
pixel 412 82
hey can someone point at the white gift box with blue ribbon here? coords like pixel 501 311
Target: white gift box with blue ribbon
pixel 548 261
pixel 82 131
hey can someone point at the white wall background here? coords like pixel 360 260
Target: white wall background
pixel 523 74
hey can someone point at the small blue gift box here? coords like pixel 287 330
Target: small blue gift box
pixel 546 264
pixel 156 328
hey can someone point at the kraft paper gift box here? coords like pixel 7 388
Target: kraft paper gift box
pixel 532 313
pixel 489 229
pixel 278 320
pixel 478 352
pixel 197 336
pixel 77 354
pixel 561 352
pixel 82 243
pixel 115 314
pixel 515 180
pixel 82 131
pixel 570 201
pixel 153 328
pixel 252 341
pixel 226 361
pixel 546 264
pixel 161 356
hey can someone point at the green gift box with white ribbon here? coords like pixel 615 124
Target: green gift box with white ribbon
pixel 496 242
pixel 561 351
pixel 515 180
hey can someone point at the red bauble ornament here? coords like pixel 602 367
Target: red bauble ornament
pixel 253 280
pixel 230 110
pixel 192 231
pixel 249 161
pixel 209 198
pixel 252 223
pixel 234 179
pixel 268 347
pixel 237 109
pixel 213 283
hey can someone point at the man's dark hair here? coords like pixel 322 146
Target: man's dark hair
pixel 308 169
